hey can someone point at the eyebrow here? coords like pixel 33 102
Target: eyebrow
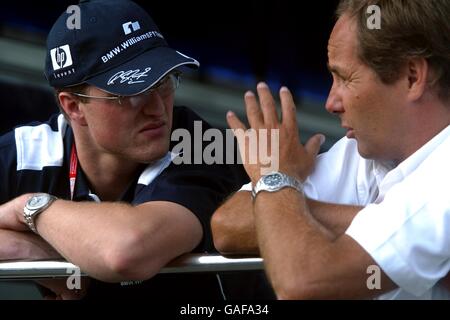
pixel 335 69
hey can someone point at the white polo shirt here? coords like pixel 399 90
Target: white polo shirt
pixel 405 225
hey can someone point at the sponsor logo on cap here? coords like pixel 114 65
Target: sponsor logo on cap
pixel 61 57
pixel 129 27
pixel 130 42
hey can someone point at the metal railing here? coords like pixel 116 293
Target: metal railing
pixel 188 263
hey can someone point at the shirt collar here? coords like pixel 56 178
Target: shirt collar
pixel 387 174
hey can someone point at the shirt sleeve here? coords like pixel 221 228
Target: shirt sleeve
pixel 335 176
pixel 408 235
pixel 8 167
pixel 199 188
pixel 246 187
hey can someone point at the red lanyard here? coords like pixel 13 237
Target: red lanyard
pixel 73 170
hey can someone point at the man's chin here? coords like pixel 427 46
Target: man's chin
pixel 371 153
pixel 153 155
pixel 365 152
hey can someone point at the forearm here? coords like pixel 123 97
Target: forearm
pixel 336 218
pixel 83 233
pixel 289 240
pixel 109 241
pixel 17 245
pixel 301 258
pixel 115 241
pixel 234 228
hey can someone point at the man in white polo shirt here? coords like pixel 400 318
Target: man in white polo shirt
pixel 379 224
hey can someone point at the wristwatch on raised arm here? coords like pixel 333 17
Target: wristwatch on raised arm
pixel 275 181
pixel 36 205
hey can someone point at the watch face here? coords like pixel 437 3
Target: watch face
pixel 38 201
pixel 272 179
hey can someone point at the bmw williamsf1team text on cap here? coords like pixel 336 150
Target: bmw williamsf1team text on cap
pixel 117 48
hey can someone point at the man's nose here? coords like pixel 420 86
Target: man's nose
pixel 153 104
pixel 334 102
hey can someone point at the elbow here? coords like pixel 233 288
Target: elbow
pixel 302 288
pixel 120 267
pixel 233 238
pixel 126 261
pixel 222 241
pixel 222 245
pixel 292 292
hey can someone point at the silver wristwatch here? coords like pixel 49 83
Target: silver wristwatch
pixel 275 181
pixel 34 206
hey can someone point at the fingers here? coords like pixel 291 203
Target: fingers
pixel 288 109
pixel 234 122
pixel 268 105
pixel 239 130
pixel 312 146
pixel 254 114
pixel 264 114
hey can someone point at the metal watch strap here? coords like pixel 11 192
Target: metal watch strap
pixel 30 222
pixel 282 181
pixel 30 215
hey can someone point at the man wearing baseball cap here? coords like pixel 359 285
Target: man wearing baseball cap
pixel 96 184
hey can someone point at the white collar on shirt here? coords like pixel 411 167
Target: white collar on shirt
pixel 387 175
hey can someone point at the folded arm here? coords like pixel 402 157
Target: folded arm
pixel 114 241
pixel 301 261
pixel 234 230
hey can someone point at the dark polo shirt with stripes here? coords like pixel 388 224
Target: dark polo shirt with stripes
pixel 35 158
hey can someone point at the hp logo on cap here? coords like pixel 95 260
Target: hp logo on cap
pixel 61 57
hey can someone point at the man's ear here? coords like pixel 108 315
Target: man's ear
pixel 71 106
pixel 418 77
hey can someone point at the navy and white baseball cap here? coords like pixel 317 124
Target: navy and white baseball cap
pixel 116 47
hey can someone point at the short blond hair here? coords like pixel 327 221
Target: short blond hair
pixel 409 28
